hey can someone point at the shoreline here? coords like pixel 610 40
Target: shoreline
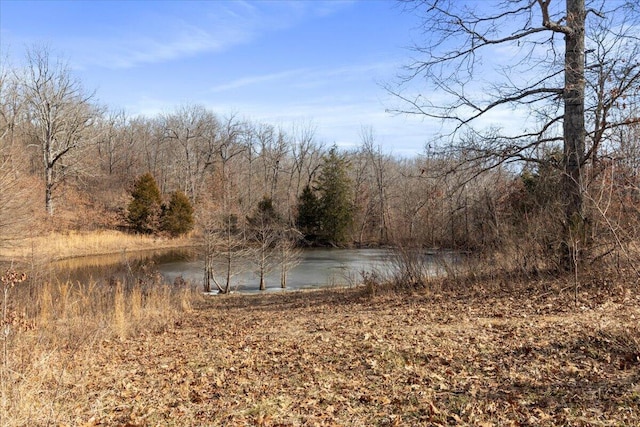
pixel 70 245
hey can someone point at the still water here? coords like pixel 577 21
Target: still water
pixel 316 268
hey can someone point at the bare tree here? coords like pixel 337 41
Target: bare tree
pixel 417 200
pixel 152 145
pixel 378 164
pixel 273 148
pixel 265 227
pixel 230 146
pixel 306 155
pixel 363 195
pixel 15 194
pixel 109 143
pixel 61 112
pixel 250 143
pixel 226 228
pixel 544 79
pixel 11 105
pixel 223 245
pixel 289 253
pixel 612 73
pixel 194 130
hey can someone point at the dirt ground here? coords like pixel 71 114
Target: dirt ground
pixel 350 358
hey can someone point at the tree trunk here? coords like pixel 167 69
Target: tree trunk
pixel 207 272
pixel 48 192
pixel 574 133
pixel 227 285
pixel 263 265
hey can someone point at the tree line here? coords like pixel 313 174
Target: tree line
pixel 69 162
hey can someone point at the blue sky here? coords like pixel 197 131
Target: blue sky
pixel 282 62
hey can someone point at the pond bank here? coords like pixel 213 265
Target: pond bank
pixel 75 244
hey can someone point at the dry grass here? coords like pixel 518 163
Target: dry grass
pixel 493 355
pixel 58 246
pixel 51 333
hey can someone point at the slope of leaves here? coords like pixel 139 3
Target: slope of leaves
pixel 337 357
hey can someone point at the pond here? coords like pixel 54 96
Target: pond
pixel 316 268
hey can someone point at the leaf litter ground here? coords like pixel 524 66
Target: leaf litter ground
pixel 343 358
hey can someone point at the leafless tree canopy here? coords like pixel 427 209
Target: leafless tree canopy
pixel 61 114
pixel 479 57
pixel 467 196
pixel 568 69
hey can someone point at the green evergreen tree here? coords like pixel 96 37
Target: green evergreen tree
pixel 335 202
pixel 177 216
pixel 308 218
pixel 144 209
pixel 265 214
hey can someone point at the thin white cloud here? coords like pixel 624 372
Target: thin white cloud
pixel 329 7
pixel 308 77
pixel 254 80
pixel 359 72
pixel 174 33
pixel 181 40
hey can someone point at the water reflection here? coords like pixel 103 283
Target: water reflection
pixel 317 268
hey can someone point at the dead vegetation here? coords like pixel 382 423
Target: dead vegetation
pixel 500 354
pixel 75 244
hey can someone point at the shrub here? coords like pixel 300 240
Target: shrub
pixel 144 209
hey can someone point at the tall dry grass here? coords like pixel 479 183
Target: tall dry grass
pixel 51 331
pixel 56 246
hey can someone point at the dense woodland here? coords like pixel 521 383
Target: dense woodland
pixel 69 163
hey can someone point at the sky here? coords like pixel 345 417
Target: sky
pixel 287 63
